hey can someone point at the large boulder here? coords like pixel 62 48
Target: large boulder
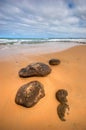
pixel 54 61
pixel 36 69
pixel 29 94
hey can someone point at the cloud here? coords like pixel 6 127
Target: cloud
pixel 43 18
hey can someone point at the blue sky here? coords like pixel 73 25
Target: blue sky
pixel 43 18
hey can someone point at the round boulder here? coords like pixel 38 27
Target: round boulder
pixel 61 96
pixel 36 69
pixel 29 94
pixel 54 62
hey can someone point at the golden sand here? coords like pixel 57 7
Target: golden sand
pixel 69 75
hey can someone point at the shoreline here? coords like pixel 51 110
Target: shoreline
pixel 69 75
pixel 37 49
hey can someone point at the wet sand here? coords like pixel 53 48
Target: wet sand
pixel 69 75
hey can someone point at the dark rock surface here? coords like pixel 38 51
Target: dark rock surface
pixel 36 69
pixel 63 106
pixel 61 95
pixel 29 94
pixel 61 111
pixel 54 62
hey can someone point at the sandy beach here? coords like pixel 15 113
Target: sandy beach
pixel 70 74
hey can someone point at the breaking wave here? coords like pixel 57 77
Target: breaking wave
pixel 34 41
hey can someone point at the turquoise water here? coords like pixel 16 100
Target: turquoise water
pixel 37 40
pixel 9 47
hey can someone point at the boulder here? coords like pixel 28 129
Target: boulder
pixel 29 94
pixel 36 69
pixel 63 107
pixel 61 96
pixel 62 111
pixel 54 62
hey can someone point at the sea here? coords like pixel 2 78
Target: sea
pixel 36 45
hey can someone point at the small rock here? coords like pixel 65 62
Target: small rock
pixel 63 106
pixel 36 69
pixel 29 94
pixel 61 111
pixel 61 95
pixel 54 62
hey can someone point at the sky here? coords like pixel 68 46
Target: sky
pixel 43 18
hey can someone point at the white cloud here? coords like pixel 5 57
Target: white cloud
pixel 47 16
pixel 71 20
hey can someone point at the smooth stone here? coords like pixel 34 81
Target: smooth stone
pixel 36 69
pixel 61 95
pixel 62 111
pixel 54 62
pixel 29 94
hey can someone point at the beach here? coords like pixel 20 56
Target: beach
pixel 70 75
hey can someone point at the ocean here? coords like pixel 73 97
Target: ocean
pixel 37 40
pixel 9 46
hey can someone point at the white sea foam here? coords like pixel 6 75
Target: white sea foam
pixel 36 46
pixel 26 41
pixel 67 40
pixel 42 48
pixel 8 40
